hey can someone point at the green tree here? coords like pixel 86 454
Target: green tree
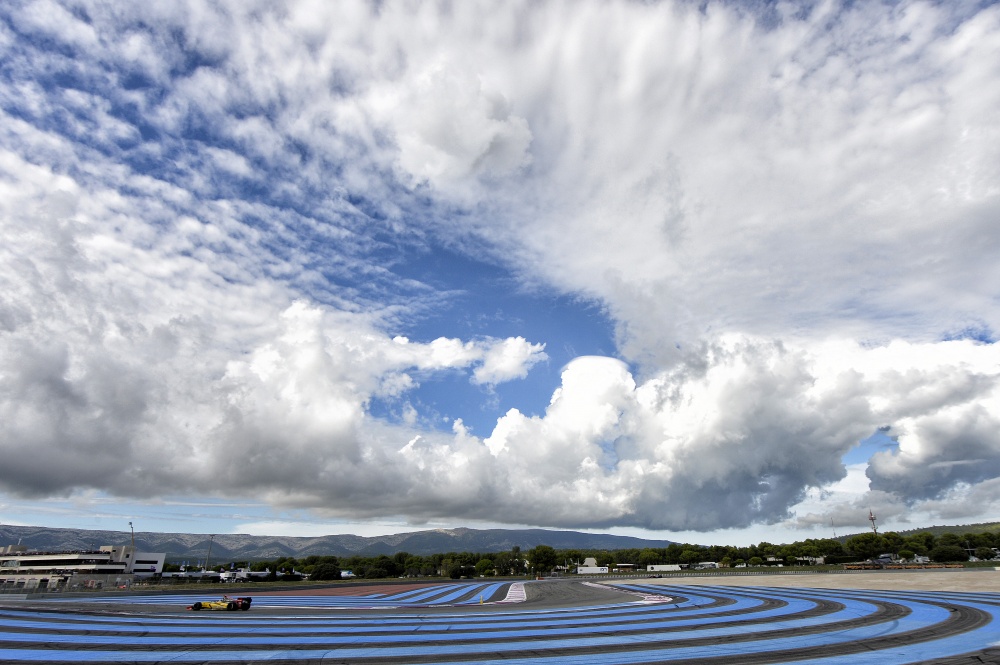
pixel 866 545
pixel 755 561
pixel 484 567
pixel 949 539
pixel 893 541
pixel 673 553
pixel 717 552
pixel 984 553
pixel 457 570
pixel 945 553
pixel 628 555
pixel 389 565
pixel 810 550
pixel 325 571
pixel 690 557
pixel 413 566
pixel 915 545
pixel 823 547
pixel 906 554
pixel 517 561
pixel 648 557
pixel 503 564
pixel 542 558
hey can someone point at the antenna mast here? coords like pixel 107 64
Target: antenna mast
pixel 871 518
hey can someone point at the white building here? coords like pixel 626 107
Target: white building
pixel 21 568
pixel 590 567
pixel 244 575
pixel 663 568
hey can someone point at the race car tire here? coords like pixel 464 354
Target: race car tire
pixel 196 606
pixel 230 606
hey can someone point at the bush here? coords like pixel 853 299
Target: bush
pixel 457 571
pixel 985 553
pixel 944 553
pixel 325 571
pixel 376 573
pixel 837 559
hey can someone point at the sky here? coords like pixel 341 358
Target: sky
pixel 714 272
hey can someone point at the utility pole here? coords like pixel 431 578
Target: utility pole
pixel 871 518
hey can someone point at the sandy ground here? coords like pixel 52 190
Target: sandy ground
pixel 970 579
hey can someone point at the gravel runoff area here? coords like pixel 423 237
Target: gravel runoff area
pixel 964 579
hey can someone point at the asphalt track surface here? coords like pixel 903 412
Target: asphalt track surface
pixel 536 623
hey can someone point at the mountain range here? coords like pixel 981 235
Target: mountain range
pixel 243 547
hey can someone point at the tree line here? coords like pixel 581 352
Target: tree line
pixel 948 547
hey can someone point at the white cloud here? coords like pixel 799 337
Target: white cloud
pixel 718 175
pixel 507 360
pixel 55 21
pixel 202 207
pixel 449 128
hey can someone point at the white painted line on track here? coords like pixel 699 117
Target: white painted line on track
pixel 515 594
pixel 648 598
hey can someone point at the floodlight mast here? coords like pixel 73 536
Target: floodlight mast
pixel 211 539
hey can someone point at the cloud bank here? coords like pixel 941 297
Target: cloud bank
pixel 789 216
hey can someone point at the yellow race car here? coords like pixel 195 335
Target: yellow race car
pixel 227 603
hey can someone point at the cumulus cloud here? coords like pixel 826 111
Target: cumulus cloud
pixel 449 128
pixel 789 217
pixel 753 432
pixel 509 359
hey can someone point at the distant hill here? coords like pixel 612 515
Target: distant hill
pixel 936 530
pixel 246 547
pixel 965 528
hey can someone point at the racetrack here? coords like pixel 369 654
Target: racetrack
pixel 687 620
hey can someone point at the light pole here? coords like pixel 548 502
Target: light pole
pixel 133 535
pixel 208 559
